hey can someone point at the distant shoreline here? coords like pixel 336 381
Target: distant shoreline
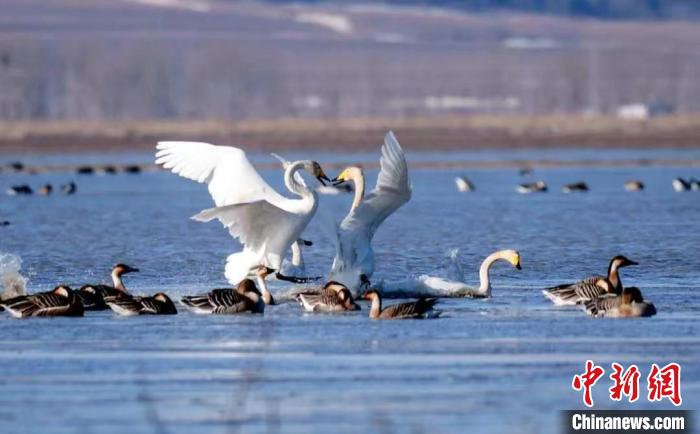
pixel 478 132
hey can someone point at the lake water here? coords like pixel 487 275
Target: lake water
pixel 500 365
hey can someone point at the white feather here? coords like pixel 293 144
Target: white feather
pixel 264 221
pixel 354 255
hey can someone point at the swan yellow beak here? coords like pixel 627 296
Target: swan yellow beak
pixel 516 261
pixel 341 178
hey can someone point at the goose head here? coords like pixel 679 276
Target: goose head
pixel 632 295
pixel 350 173
pixel 620 261
pixel 63 291
pixel 315 169
pixel 121 269
pixel 248 287
pixel 334 286
pixel 89 289
pixel 263 271
pixel 346 297
pixel 371 295
pixel 162 297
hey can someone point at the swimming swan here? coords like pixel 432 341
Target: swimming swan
pixel 452 285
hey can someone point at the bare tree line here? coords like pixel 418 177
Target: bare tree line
pixel 444 70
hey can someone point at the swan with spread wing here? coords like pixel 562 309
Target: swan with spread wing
pixel 354 255
pixel 263 220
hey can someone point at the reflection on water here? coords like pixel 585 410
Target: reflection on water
pixel 499 365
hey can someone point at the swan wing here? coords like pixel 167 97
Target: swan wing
pixel 230 176
pixel 392 191
pixel 265 231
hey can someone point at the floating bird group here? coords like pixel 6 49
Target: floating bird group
pixel 269 225
pixel 44 190
pixel 604 296
pixel 464 185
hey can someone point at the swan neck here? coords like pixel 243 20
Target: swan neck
pixel 359 181
pixel 291 183
pixel 484 272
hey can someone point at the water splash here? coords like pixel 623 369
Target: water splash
pixel 12 283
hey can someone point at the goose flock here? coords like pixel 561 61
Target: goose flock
pixel 269 224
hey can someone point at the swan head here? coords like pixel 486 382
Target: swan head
pixel 315 169
pixel 620 261
pixel 63 291
pixel 512 256
pixel 120 269
pixel 348 174
pixel 632 294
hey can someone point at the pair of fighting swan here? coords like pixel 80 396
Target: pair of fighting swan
pixel 267 223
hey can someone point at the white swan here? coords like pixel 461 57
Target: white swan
pixel 438 286
pixel 354 256
pixel 264 221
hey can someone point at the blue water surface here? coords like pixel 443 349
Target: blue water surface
pixel 500 365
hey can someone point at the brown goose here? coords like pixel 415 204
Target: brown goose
pixel 333 297
pixel 423 308
pixel 244 298
pixel 630 304
pixel 96 297
pixel 262 274
pixel 159 304
pixel 590 287
pixel 61 301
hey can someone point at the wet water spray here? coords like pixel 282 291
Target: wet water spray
pixel 12 283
